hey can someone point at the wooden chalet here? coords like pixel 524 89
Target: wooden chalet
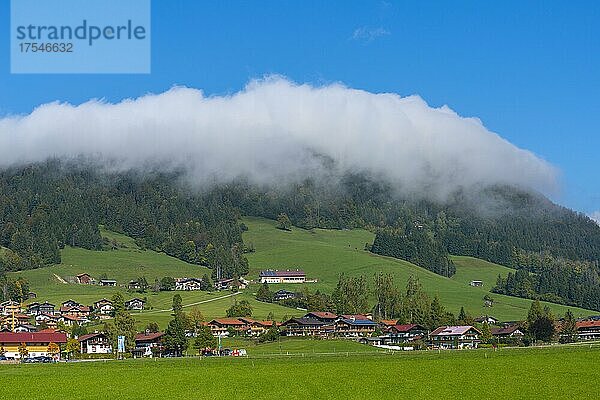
pixel 148 344
pixel 37 343
pixel 95 343
pixel 306 326
pixel 221 326
pixel 588 330
pixel 455 337
pixel 405 333
pixel 352 327
pixel 135 304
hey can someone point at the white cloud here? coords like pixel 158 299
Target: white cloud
pixel 367 34
pixel 271 130
pixel 595 216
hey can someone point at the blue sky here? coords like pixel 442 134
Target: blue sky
pixel 528 70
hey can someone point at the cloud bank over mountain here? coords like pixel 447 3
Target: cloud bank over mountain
pixel 275 130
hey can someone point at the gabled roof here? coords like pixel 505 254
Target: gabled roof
pixel 32 337
pixel 359 322
pixel 321 315
pixel 304 321
pixel 354 316
pixel 405 328
pixel 281 273
pixel 143 337
pixel 388 322
pixel 507 330
pixel 587 324
pixel 453 330
pixel 74 308
pixel 83 338
pixel 227 321
pixel 135 299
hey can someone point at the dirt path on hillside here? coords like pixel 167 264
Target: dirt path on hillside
pixel 195 304
pixel 61 280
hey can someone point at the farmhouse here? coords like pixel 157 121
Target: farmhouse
pixel 75 311
pixel 455 337
pixel 50 320
pixel 255 327
pixel 405 333
pixel 486 319
pixel 188 284
pixel 40 308
pixel 135 304
pixel 476 283
pixel 323 316
pixel 9 307
pixel 70 303
pixel 85 279
pixel 15 319
pixel 283 295
pixel 104 308
pixel 507 332
pixel 25 328
pixel 221 326
pixel 588 330
pixel 37 343
pixel 354 327
pixel 279 276
pixel 71 320
pixel 148 343
pixel 306 326
pixel 108 282
pixel 95 343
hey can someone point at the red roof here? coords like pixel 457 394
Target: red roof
pixel 587 324
pixel 388 322
pixel 32 337
pixel 404 328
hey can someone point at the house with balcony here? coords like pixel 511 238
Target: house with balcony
pixel 455 337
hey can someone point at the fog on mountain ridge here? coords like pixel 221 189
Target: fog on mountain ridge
pixel 276 131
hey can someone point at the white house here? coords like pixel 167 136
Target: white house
pixel 279 276
pixel 95 343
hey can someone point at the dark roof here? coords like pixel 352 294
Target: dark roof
pixel 283 291
pixel 135 299
pixel 304 321
pixel 359 322
pixel 321 315
pixel 32 337
pixel 83 338
pixel 143 337
pixel 280 273
pixel 406 327
pixel 226 321
pixel 507 330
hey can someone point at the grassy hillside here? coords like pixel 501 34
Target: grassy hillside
pixel 550 373
pixel 470 268
pixel 324 254
pixel 126 263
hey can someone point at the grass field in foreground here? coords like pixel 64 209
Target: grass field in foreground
pixel 548 373
pixel 324 254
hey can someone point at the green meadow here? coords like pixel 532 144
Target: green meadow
pixel 541 373
pixel 323 254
